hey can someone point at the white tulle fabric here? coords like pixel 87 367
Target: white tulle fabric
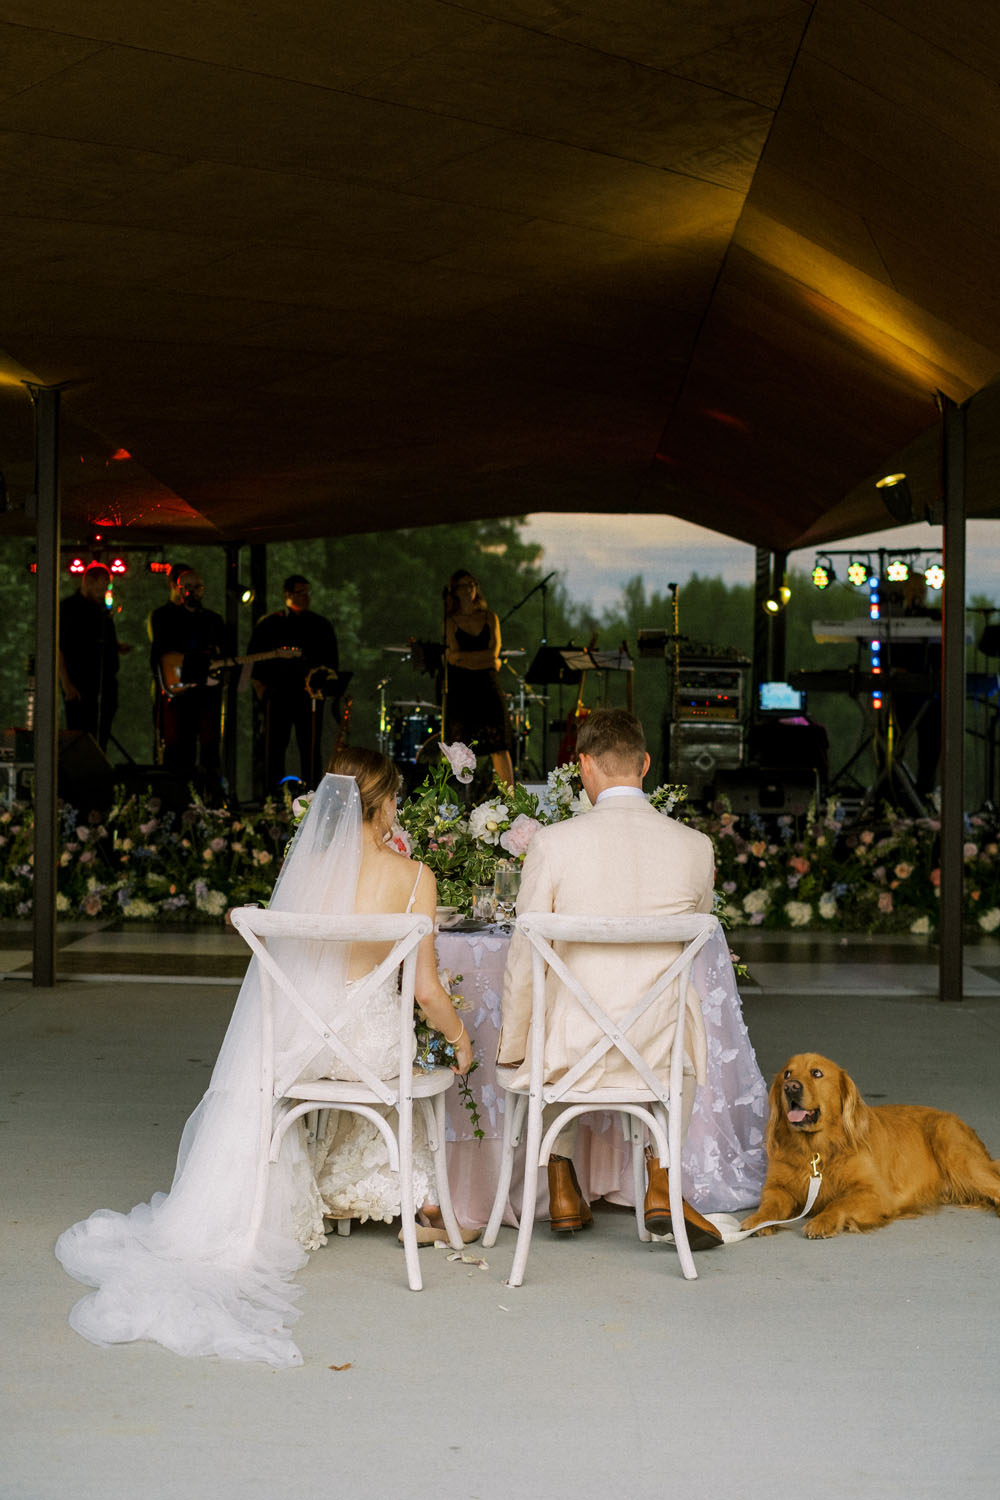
pixel 187 1269
pixel 351 1163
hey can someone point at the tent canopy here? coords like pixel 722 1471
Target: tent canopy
pixel 324 268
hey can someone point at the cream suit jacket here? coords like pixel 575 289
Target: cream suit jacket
pixel 622 858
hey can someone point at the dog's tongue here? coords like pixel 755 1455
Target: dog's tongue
pixel 797 1116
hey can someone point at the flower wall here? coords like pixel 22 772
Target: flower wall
pixel 816 873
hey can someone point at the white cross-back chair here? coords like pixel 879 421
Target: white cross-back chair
pixel 653 1101
pixel 287 1099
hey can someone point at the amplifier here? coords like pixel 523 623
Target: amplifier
pixel 699 749
pixel 713 710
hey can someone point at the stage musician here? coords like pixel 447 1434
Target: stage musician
pixel 88 656
pixel 187 639
pixel 293 691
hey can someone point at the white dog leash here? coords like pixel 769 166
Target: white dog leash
pixel 728 1224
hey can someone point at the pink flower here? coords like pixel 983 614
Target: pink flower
pixel 461 759
pixel 92 904
pixel 400 840
pixel 217 845
pixel 935 877
pixel 969 851
pixel 867 837
pixel 519 834
pixel 799 865
pixel 885 902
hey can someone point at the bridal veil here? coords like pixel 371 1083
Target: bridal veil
pixel 188 1269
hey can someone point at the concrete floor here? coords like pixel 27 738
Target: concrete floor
pixel 856 1367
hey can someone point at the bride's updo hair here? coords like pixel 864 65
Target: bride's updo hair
pixel 375 773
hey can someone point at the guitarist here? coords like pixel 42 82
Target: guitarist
pixel 293 691
pixel 186 638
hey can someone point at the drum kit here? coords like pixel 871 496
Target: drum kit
pixel 409 729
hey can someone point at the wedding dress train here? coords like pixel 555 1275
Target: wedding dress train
pixel 190 1269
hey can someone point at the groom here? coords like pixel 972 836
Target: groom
pixel 621 859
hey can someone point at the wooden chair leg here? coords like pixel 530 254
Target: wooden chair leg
pixel 514 1108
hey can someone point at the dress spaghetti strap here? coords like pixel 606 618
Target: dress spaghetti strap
pixel 413 893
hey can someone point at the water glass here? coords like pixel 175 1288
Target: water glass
pixel 483 902
pixel 506 883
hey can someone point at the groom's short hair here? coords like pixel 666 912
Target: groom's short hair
pixel 615 739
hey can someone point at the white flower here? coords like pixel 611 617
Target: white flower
pixel 756 901
pixel 62 902
pixel 828 906
pixel 400 840
pixel 486 820
pixel 922 926
pixel 212 902
pixel 300 805
pixel 519 834
pixel 990 920
pixel 580 804
pixel 799 913
pixel 139 908
pixel 461 759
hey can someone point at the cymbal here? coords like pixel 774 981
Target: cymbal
pixel 517 651
pixel 398 650
pixel 412 703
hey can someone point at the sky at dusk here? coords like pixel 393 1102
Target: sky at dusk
pixel 595 555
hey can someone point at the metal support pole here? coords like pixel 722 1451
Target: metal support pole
pixel 779 622
pixel 952 702
pixel 46 739
pixel 761 624
pixel 231 680
pixel 258 582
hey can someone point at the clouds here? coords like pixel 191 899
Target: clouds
pixel 595 555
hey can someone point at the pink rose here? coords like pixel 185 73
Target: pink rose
pixel 799 865
pixel 519 834
pixel 462 761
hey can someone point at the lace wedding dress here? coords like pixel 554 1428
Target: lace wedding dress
pixel 351 1163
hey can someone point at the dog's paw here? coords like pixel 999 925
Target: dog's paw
pixel 769 1229
pixel 823 1227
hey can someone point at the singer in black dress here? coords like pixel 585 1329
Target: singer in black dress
pixel 476 711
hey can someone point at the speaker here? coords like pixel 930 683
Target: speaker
pixel 86 778
pixel 766 790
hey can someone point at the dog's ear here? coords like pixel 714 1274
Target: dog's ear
pixel 777 1126
pixel 853 1112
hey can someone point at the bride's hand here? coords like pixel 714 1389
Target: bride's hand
pixel 463 1053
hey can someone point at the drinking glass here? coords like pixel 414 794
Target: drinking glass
pixel 506 882
pixel 483 902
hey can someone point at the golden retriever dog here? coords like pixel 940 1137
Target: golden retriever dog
pixel 879 1163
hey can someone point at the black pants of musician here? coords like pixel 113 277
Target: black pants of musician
pixel 191 734
pixel 304 715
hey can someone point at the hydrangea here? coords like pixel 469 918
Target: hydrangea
pixel 828 906
pixel 799 913
pixel 922 926
pixel 989 921
pixel 756 901
pixel 213 903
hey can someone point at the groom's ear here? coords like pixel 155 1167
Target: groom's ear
pixel 645 766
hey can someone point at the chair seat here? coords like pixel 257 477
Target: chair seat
pixel 606 1098
pixel 344 1091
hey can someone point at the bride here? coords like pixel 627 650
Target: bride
pixel 189 1269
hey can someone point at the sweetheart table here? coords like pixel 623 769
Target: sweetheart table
pixel 723 1160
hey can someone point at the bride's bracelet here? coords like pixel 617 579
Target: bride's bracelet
pixel 453 1041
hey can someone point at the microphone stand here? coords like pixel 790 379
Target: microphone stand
pixel 543 586
pixel 444 662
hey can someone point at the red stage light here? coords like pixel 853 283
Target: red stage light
pixel 77 565
pixel 118 565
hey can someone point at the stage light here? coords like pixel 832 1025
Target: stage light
pixel 823 574
pixel 898 570
pixel 118 565
pixel 157 566
pixel 896 496
pixel 243 592
pixel 934 576
pixel 778 600
pixel 77 565
pixel 857 573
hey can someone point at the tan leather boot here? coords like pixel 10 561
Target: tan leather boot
pixel 565 1208
pixel 701 1234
